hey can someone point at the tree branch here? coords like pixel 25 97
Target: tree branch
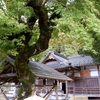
pixel 44 26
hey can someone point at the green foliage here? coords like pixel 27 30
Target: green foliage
pixel 2 55
pixel 62 1
pixel 9 26
pixel 35 35
pixel 77 27
pixel 18 8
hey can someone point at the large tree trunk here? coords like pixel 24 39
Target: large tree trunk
pixel 24 74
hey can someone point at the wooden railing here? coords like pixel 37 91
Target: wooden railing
pixel 85 86
pixel 90 90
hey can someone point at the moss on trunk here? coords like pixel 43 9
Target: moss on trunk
pixel 24 74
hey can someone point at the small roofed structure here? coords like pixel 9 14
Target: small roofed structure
pixel 40 71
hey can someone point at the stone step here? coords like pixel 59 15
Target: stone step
pixel 58 99
pixel 59 93
pixel 54 98
pixel 61 96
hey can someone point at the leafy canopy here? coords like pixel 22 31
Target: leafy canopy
pixel 10 25
pixel 77 28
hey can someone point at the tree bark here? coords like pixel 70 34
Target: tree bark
pixel 24 73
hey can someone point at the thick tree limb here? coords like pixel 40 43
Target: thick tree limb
pixel 44 26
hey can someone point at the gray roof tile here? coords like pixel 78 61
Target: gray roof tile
pixel 43 71
pixel 73 61
pixel 81 60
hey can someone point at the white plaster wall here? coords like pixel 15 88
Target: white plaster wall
pixel 90 68
pixel 94 73
pixel 77 74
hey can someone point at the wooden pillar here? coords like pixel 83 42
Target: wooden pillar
pixel 98 76
pixel 58 85
pixel 73 83
pixel 46 84
pixel 66 89
pixel 56 90
pixel 73 88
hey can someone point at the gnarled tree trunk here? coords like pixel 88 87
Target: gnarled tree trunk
pixel 24 73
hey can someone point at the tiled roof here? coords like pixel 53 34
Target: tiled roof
pixel 58 54
pixel 43 71
pixel 56 65
pixel 60 60
pixel 73 61
pixel 81 60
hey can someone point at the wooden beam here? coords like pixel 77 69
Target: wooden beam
pixel 8 75
pixel 56 89
pixel 66 89
pixel 73 88
pixel 56 92
pixel 98 76
pixel 4 94
pixel 48 93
